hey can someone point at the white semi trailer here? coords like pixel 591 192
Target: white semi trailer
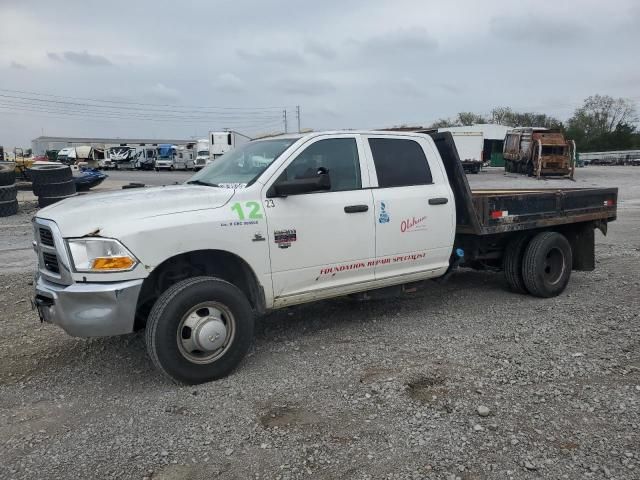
pixel 223 142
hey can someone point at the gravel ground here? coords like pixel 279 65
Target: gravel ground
pixel 463 380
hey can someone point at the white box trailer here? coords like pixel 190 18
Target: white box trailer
pixel 223 142
pixel 470 146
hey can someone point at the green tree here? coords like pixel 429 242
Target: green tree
pixel 465 119
pixel 443 123
pixel 506 116
pixel 604 123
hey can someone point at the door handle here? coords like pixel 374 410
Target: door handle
pixel 356 208
pixel 438 201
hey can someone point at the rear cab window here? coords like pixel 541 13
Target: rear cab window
pixel 399 162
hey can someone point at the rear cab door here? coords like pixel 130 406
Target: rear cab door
pixel 414 206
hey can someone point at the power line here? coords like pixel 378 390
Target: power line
pixel 239 124
pixel 121 102
pixel 111 109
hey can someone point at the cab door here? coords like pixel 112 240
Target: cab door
pixel 414 207
pixel 323 241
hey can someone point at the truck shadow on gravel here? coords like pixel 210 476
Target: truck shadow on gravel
pixel 59 355
pixel 83 361
pixel 299 321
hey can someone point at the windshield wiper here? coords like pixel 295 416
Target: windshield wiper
pixel 200 182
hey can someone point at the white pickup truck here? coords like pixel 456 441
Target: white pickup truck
pixel 289 220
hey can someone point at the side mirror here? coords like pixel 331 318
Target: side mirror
pixel 301 185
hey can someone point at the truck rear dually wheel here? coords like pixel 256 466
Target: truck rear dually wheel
pixel 199 330
pixel 547 264
pixel 512 263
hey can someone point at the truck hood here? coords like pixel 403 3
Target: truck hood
pixel 87 214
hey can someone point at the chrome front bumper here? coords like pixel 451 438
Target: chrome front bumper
pixel 88 309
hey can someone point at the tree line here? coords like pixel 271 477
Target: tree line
pixel 600 123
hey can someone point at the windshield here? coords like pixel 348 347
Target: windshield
pixel 165 152
pixel 203 153
pixel 239 167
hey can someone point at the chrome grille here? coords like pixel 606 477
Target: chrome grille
pixel 53 259
pixel 46 237
pixel 51 262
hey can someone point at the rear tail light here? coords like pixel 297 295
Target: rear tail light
pixel 499 214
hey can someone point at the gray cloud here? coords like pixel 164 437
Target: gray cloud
pixel 320 50
pixel 547 30
pixel 17 66
pixel 406 87
pixel 82 58
pixel 348 64
pixel 160 92
pixel 401 42
pixel 281 56
pixel 305 86
pixel 228 82
pixel 449 88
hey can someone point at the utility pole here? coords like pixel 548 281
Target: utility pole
pixel 298 116
pixel 284 117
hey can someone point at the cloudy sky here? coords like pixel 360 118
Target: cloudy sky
pixel 348 64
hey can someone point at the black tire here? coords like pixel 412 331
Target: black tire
pixel 46 201
pixel 7 173
pixel 512 263
pixel 133 185
pixel 168 314
pixel 8 193
pixel 8 208
pixel 57 189
pixel 547 264
pixel 49 173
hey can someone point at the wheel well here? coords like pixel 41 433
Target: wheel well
pixel 216 263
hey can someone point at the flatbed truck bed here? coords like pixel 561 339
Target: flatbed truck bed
pixel 489 219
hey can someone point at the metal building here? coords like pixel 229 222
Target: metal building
pixel 41 144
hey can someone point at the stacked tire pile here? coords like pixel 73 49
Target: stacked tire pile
pixel 8 189
pixel 52 183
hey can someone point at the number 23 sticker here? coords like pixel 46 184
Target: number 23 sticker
pixel 251 210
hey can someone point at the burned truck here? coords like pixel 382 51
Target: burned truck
pixel 539 152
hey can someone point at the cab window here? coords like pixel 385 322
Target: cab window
pixel 399 162
pixel 336 156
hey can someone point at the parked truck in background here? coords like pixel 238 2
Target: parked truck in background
pixel 290 220
pixel 539 152
pixel 202 154
pixel 223 142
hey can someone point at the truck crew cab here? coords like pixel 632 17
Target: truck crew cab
pixel 289 220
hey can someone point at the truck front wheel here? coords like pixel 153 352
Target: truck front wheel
pixel 199 330
pixel 547 264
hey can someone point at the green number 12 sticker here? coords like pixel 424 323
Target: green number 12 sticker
pixel 251 208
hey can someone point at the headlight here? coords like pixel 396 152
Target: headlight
pixel 100 255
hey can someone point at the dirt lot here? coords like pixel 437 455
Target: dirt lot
pixel 337 389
